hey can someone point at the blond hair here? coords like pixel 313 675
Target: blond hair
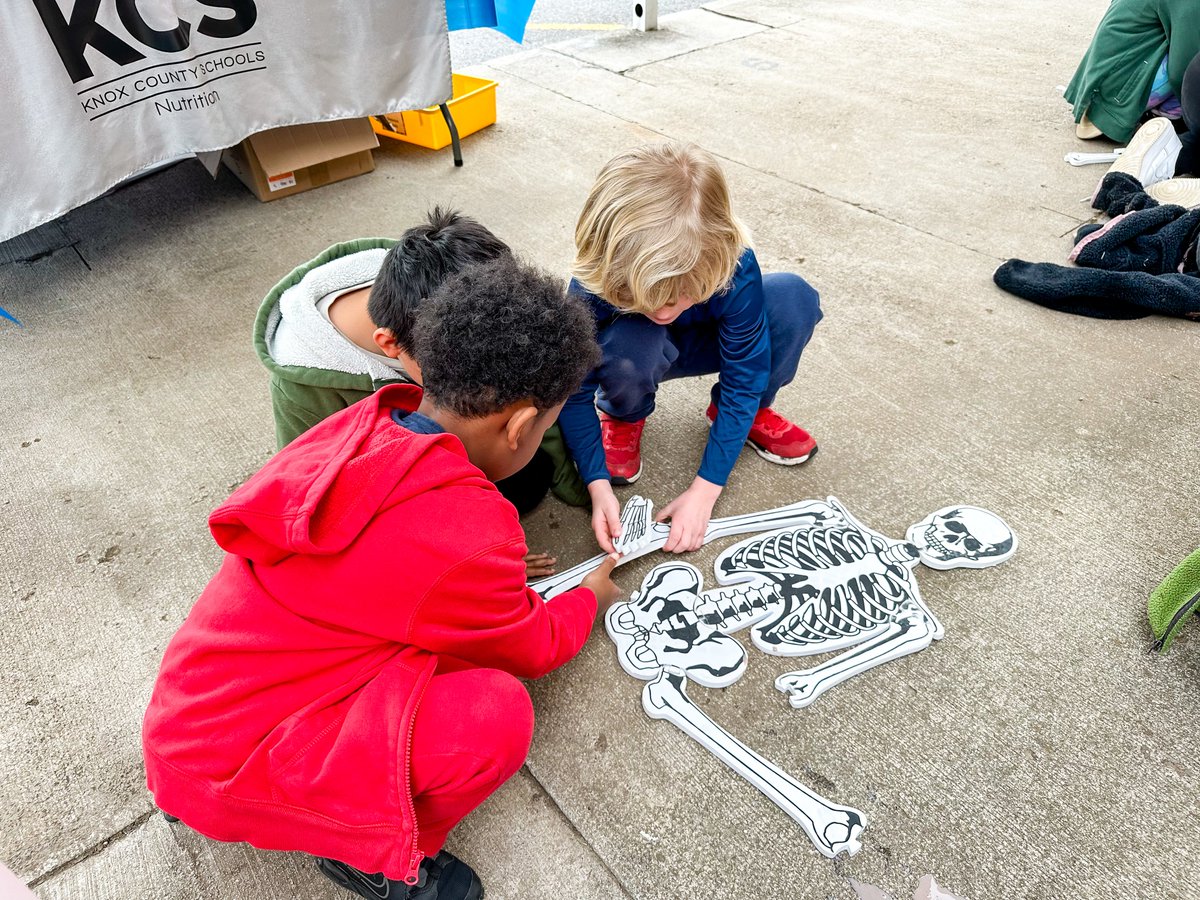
pixel 658 226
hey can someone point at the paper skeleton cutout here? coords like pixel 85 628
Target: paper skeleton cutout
pixel 963 536
pixel 663 639
pixel 641 535
pixel 823 582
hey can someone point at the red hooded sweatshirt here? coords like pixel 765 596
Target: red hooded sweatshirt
pixel 359 555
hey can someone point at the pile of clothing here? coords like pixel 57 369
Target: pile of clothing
pixel 1142 261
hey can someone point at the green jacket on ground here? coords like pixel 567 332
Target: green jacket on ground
pixel 1113 81
pixel 335 374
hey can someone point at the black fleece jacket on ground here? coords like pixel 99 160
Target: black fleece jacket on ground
pixel 1141 263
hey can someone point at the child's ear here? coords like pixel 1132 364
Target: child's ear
pixel 385 340
pixel 519 423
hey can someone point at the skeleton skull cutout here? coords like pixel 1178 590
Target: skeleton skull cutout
pixel 964 536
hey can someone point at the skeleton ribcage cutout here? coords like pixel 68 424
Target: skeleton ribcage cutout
pixel 818 588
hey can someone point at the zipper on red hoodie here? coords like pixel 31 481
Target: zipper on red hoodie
pixel 414 864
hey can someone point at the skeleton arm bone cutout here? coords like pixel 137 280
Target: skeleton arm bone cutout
pixel 653 536
pixel 833 829
pixel 899 638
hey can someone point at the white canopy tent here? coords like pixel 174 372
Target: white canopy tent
pixel 96 91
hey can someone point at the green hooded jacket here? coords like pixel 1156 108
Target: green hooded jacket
pixel 1113 81
pixel 301 396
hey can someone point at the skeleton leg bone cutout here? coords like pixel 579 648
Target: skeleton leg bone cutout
pixel 833 829
pixel 911 632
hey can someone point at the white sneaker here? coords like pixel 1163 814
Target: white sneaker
pixel 1151 154
pixel 1177 191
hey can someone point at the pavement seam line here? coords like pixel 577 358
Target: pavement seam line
pixel 745 165
pixel 739 37
pixel 747 19
pixel 620 882
pixel 859 206
pixel 95 849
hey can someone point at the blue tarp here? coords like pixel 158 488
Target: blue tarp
pixel 509 17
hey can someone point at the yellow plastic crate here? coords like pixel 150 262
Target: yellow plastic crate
pixel 473 107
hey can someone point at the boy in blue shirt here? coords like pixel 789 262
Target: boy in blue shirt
pixel 666 269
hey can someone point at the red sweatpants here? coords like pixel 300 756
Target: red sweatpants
pixel 471 734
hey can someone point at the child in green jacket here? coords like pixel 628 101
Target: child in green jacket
pixel 340 327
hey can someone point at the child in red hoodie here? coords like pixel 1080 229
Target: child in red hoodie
pixel 346 685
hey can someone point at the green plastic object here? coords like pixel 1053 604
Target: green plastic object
pixel 1174 601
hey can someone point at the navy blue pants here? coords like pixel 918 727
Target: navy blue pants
pixel 639 355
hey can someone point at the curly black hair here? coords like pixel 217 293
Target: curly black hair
pixel 423 258
pixel 501 332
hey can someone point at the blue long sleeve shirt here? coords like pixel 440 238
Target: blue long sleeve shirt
pixel 744 343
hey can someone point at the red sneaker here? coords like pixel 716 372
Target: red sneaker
pixel 776 439
pixel 622 448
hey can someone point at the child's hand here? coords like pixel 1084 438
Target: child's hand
pixel 538 565
pixel 689 514
pixel 606 514
pixel 601 584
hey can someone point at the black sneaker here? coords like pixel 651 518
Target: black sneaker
pixel 444 878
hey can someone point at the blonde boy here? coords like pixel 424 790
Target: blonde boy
pixel 665 267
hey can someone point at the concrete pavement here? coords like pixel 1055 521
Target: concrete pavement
pixel 892 154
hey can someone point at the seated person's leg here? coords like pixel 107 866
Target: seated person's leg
pixel 1188 162
pixel 636 356
pixel 471 734
pixel 793 311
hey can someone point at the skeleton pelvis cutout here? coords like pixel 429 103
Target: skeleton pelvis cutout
pixel 659 628
pixel 824 583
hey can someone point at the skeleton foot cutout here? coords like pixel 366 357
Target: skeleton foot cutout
pixel 833 829
pixel 637 525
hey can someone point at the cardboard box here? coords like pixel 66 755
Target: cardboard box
pixel 280 162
